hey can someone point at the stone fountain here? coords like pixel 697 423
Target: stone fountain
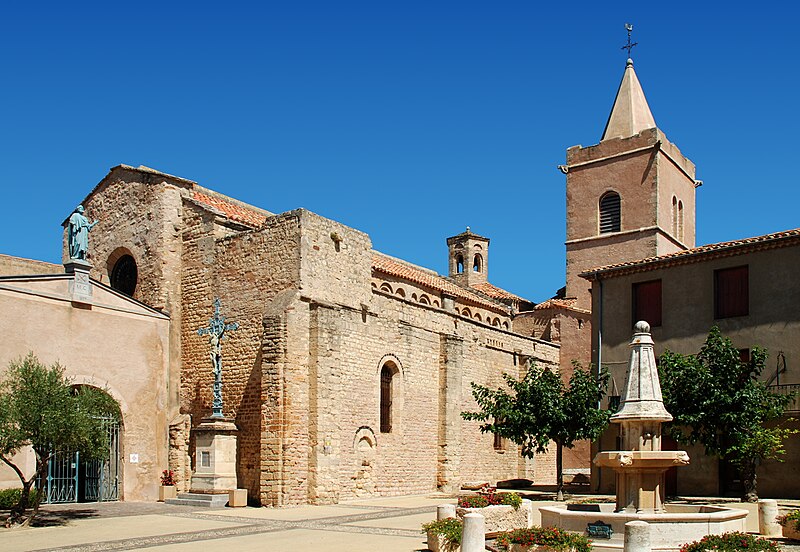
pixel 640 468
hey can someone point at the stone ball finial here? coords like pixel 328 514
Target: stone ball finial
pixel 641 327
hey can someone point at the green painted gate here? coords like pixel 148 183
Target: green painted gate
pixel 72 479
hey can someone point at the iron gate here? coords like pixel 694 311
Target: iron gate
pixel 71 479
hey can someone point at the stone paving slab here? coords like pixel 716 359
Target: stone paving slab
pixel 410 522
pixel 87 531
pixel 292 514
pixel 299 540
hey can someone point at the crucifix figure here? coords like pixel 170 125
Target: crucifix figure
pixel 216 331
pixel 629 46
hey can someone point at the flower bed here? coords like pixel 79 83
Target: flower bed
pixel 444 535
pixel 543 539
pixel 790 525
pixel 502 511
pixel 731 542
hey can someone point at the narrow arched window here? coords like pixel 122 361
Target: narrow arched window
pixel 680 220
pixel 124 275
pixel 675 217
pixel 386 398
pixel 477 264
pixel 609 213
pixel 459 264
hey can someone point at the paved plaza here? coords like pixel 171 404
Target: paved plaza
pixel 379 524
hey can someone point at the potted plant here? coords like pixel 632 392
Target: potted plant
pixel 167 489
pixel 790 524
pixel 731 542
pixel 444 535
pixel 502 511
pixel 543 539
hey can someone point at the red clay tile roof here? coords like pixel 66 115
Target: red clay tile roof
pixel 555 303
pixel 498 293
pixel 394 267
pixel 234 211
pixel 711 251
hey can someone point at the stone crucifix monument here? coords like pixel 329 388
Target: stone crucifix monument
pixel 215 437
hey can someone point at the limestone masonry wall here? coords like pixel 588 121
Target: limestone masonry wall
pixel 302 374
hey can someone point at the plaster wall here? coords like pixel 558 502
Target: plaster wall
pixel 115 345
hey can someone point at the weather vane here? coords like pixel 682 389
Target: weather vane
pixel 629 46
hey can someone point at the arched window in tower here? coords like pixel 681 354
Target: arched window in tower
pixel 680 220
pixel 124 275
pixel 675 216
pixel 609 213
pixel 459 265
pixel 387 374
pixel 477 263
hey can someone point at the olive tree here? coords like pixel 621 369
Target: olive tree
pixel 539 409
pixel 40 408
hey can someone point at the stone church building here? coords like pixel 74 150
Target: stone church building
pixel 350 368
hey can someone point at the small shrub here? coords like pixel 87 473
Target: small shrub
pixel 10 497
pixel 731 542
pixel 168 478
pixel 791 517
pixel 553 537
pixel 449 528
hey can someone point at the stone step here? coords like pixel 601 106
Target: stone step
pixel 200 500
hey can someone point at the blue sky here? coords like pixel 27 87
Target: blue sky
pixel 409 121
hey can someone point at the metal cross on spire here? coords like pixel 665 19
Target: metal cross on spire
pixel 629 46
pixel 216 329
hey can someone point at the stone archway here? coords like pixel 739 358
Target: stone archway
pixel 365 454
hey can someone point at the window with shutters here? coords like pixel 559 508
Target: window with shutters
pixel 647 302
pixel 731 292
pixel 609 213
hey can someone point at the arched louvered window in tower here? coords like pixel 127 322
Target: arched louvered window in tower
pixel 609 213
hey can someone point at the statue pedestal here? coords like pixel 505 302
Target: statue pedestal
pixel 215 460
pixel 80 288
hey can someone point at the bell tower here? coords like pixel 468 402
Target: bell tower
pixel 469 258
pixel 629 197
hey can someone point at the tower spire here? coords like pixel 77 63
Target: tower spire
pixel 630 114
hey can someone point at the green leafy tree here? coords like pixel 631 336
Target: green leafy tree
pixel 40 408
pixel 539 409
pixel 717 400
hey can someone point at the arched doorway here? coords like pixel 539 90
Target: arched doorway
pixel 70 478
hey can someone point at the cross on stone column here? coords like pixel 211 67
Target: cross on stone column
pixel 216 330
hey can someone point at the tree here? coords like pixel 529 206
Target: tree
pixel 40 408
pixel 717 400
pixel 540 409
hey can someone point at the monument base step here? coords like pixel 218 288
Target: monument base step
pixel 200 500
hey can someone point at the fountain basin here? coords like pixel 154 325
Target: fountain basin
pixel 677 525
